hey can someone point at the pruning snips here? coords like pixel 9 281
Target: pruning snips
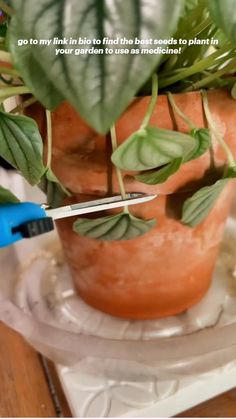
pixel 27 219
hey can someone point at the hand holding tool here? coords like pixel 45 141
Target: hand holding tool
pixel 27 219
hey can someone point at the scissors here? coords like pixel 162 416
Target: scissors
pixel 26 220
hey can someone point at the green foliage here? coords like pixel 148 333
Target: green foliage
pixel 122 226
pixel 203 137
pixel 153 147
pixel 6 197
pixel 21 145
pixel 196 208
pixel 160 176
pixel 35 77
pixel 230 172
pixel 202 144
pixel 54 191
pixel 224 14
pixel 99 86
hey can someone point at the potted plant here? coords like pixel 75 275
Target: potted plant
pixel 122 84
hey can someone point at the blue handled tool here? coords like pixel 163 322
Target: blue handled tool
pixel 27 220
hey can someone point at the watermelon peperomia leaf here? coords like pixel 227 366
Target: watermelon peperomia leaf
pixel 35 77
pixel 51 186
pixel 203 137
pixel 160 176
pixel 7 197
pixel 224 14
pixel 122 226
pixel 87 80
pixel 21 145
pixel 202 144
pixel 198 206
pixel 153 147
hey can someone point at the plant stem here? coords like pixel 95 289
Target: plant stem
pixel 222 60
pixel 24 105
pixel 118 171
pixel 66 192
pixel 7 70
pixel 186 25
pixel 6 92
pixel 6 9
pixel 195 68
pixel 206 23
pixel 49 150
pixel 2 85
pixel 179 112
pixel 49 138
pixel 197 31
pixel 201 83
pixel 152 103
pixel 215 130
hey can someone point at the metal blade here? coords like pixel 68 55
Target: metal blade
pixel 98 205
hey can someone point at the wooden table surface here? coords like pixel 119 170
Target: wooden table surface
pixel 30 387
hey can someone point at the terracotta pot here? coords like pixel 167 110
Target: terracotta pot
pixel 170 268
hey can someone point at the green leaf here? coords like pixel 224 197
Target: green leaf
pixel 6 197
pixel 153 147
pixel 99 86
pixel 230 172
pixel 203 137
pixel 203 142
pixel 190 4
pixel 224 14
pixel 50 185
pixel 196 208
pixel 221 38
pixel 122 226
pixel 161 175
pixel 31 70
pixel 21 145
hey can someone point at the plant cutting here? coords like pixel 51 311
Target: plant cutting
pixel 107 124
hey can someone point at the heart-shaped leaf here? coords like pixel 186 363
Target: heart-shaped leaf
pixel 122 226
pixel 31 70
pixel 50 185
pixel 99 85
pixel 21 145
pixel 161 175
pixel 196 208
pixel 7 197
pixel 203 142
pixel 224 14
pixel 153 147
pixel 203 137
